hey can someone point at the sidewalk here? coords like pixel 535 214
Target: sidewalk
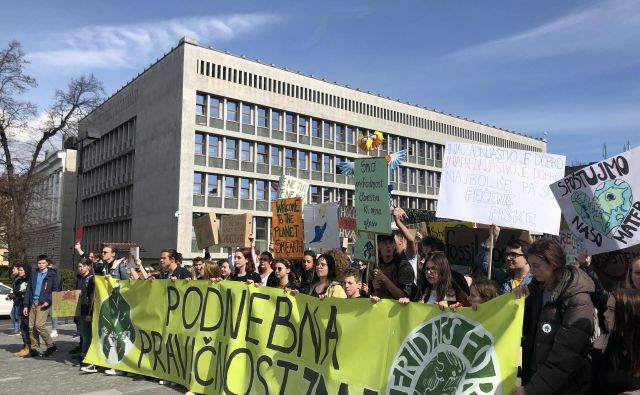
pixel 59 374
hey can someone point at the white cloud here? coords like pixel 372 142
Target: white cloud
pixel 132 45
pixel 601 28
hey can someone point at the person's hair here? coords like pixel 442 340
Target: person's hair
pixel 624 340
pixel 548 250
pixel 247 253
pixel 173 255
pixel 516 243
pixel 197 259
pixel 351 272
pixel 27 269
pixel 486 288
pixel 111 247
pixel 268 254
pixel 211 269
pixel 331 265
pixel 445 280
pixel 42 257
pixel 293 275
pixel 86 262
pixel 383 237
pixel 628 282
pixel 95 253
pixel 341 259
pixel 433 242
pixel 311 253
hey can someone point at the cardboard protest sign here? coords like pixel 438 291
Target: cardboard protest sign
pixel 230 338
pixel 235 230
pixel 414 216
pixel 364 248
pixel 65 304
pixel 598 202
pixel 372 195
pixel 502 186
pixel 206 228
pixel 347 222
pixel 463 244
pixel 571 244
pixel 438 229
pixel 293 187
pixel 321 225
pixel 79 233
pixel 287 228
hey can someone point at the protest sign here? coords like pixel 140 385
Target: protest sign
pixel 438 229
pixel 598 202
pixel 231 338
pixel 206 228
pixel 364 248
pixel 502 186
pixel 347 222
pixel 287 229
pixel 613 266
pixel 235 230
pixel 463 244
pixel 65 304
pixel 293 187
pixel 372 195
pixel 414 216
pixel 321 225
pixel 571 244
pixel 79 233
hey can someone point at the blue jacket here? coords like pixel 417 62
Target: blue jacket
pixel 501 277
pixel 51 283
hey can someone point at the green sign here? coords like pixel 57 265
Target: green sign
pixel 372 195
pixel 364 249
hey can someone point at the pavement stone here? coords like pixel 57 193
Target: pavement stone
pixel 59 374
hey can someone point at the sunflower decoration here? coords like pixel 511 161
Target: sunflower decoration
pixel 370 140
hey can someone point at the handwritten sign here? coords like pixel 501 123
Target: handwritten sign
pixel 364 249
pixel 206 228
pixel 293 187
pixel 235 230
pixel 372 195
pixel 438 229
pixel 571 243
pixel 65 304
pixel 321 225
pixel 598 202
pixel 502 186
pixel 415 216
pixel 463 244
pixel 347 222
pixel 287 228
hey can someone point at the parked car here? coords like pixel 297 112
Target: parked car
pixel 5 305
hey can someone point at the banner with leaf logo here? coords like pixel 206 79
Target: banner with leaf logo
pixel 235 338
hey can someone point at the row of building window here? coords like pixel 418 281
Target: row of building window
pixel 46 205
pixel 109 232
pixel 112 173
pixel 115 141
pixel 109 205
pixel 291 90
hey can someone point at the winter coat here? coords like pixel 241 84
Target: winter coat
pixel 51 283
pixel 557 335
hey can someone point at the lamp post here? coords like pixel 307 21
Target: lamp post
pixel 91 134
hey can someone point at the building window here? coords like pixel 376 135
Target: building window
pixel 315 162
pixel 302 126
pixel 326 195
pixel 402 175
pixel 438 152
pixel 316 128
pixel 340 137
pixel 275 185
pixel 302 160
pixel 230 187
pixel 199 144
pixel 232 111
pixel 421 181
pixel 245 151
pixel 275 155
pixel 326 129
pixel 232 149
pixel 420 149
pixel 429 150
pixel 198 184
pixel 289 158
pixel 315 194
pixel 262 117
pixel 201 104
pixel 214 107
pixel 245 188
pixel 212 184
pixel 275 120
pixel 262 154
pixel 350 135
pixel 247 119
pixel 326 164
pixel 350 194
pixel 214 146
pixel 261 190
pixel 291 123
pixel 262 228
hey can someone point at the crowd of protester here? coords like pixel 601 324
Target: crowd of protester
pixel 578 337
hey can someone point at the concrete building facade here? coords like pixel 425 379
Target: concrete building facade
pixel 203 131
pixel 50 229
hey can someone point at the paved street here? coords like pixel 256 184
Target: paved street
pixel 60 375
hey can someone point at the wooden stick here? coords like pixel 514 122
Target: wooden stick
pixel 490 253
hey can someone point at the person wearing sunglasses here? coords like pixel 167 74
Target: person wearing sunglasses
pixel 517 271
pixel 285 278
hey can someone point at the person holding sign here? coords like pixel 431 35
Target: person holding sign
pixel 558 324
pixel 518 271
pixel 394 277
pixel 326 285
pixel 245 267
pixel 282 270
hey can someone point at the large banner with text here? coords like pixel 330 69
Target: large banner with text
pixel 234 338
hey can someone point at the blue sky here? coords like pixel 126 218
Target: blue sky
pixel 570 69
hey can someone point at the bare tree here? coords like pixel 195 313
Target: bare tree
pixel 24 134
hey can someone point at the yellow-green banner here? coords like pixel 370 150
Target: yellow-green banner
pixel 233 338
